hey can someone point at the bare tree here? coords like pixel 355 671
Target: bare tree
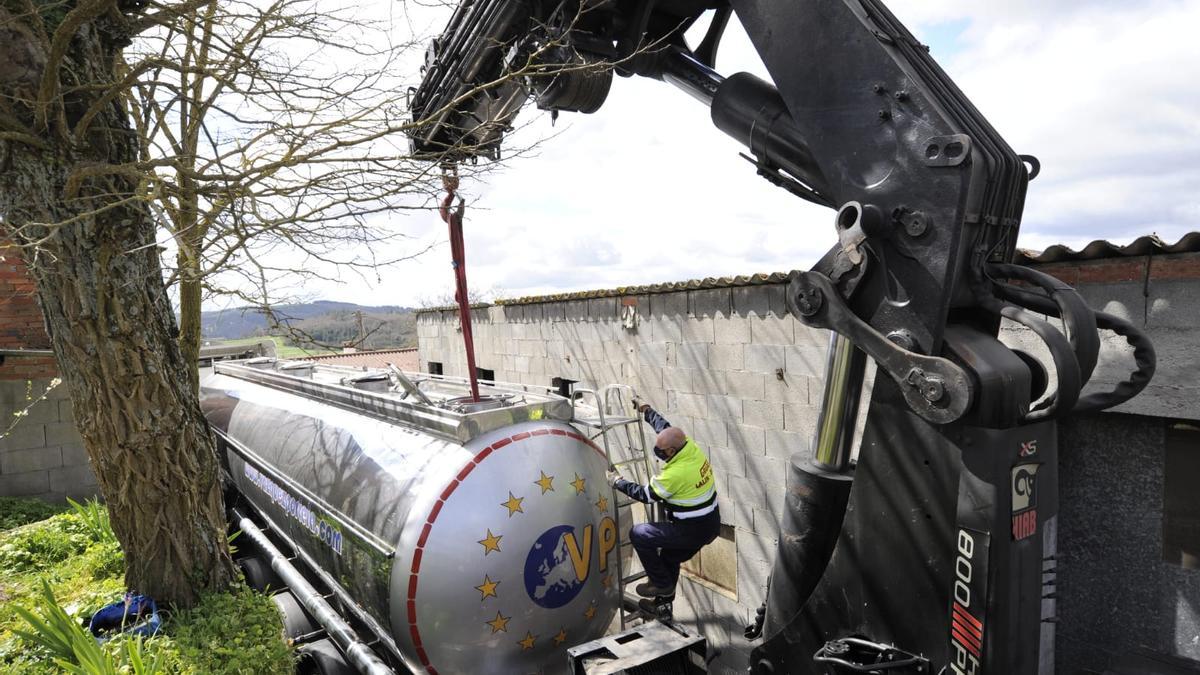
pixel 272 141
pixel 67 196
pixel 238 149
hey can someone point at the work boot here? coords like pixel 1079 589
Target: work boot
pixel 649 590
pixel 659 608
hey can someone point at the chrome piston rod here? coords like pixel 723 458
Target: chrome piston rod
pixel 361 656
pixel 844 372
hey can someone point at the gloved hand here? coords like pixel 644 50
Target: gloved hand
pixel 612 476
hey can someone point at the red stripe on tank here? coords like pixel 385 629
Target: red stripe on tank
pixel 437 508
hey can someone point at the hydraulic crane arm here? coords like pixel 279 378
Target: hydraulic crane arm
pixel 928 200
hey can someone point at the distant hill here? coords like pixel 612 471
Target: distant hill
pixel 326 322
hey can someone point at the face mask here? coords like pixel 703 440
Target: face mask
pixel 660 453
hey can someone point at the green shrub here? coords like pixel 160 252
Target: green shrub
pixel 55 571
pixel 210 640
pixel 16 511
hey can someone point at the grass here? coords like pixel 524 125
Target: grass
pixel 62 568
pixel 282 349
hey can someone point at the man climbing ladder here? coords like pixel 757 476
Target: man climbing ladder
pixel 688 492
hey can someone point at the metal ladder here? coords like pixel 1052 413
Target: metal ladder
pixel 611 405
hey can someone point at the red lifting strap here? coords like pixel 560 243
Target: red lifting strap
pixel 459 262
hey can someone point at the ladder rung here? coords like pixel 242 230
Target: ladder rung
pixel 631 460
pixel 609 422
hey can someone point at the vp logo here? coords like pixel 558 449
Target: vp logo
pixel 560 561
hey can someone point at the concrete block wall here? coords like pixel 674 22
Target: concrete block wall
pixel 42 455
pixel 729 365
pixel 41 452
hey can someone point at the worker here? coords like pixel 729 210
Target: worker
pixel 687 490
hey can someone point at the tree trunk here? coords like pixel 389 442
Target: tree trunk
pixel 190 297
pixel 90 246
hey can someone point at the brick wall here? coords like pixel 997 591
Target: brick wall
pixel 21 325
pixel 41 453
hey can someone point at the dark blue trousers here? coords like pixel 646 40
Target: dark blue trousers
pixel 663 547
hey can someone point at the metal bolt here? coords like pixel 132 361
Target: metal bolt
pixel 885 115
pixel 932 388
pixel 902 96
pixel 837 648
pixel 808 301
pixel 902 339
pixel 878 88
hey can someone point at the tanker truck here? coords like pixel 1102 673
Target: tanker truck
pixel 414 528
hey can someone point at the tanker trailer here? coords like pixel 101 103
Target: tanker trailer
pixel 466 536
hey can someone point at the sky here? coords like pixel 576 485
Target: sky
pixel 647 190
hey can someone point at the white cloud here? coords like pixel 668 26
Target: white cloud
pixel 648 190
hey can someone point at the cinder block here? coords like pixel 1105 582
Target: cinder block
pixel 724 408
pixel 745 385
pixel 62 433
pixel 791 389
pixel 734 330
pixel 693 405
pixel 805 360
pixel 24 484
pixel 700 330
pixel 755 547
pixel 708 381
pixel 710 434
pixel 765 358
pixel 801 418
pixel 25 434
pixel 726 357
pixel 752 580
pixel 43 411
pixel 710 302
pixel 692 355
pixel 649 377
pixel 737 514
pixel 751 300
pixel 679 379
pixel 669 304
pixel 75 454
pixel 746 490
pixel 657 355
pixel 728 460
pixel 766 469
pixel 812 337
pixel 30 459
pixel 765 414
pixel 784 444
pixel 666 328
pixel 772 330
pixel 749 440
pixel 70 478
pixel 767 518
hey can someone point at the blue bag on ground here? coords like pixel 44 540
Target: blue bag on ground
pixel 136 615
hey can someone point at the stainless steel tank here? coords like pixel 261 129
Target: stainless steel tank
pixel 473 537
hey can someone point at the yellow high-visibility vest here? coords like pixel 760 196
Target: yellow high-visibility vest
pixel 686 484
